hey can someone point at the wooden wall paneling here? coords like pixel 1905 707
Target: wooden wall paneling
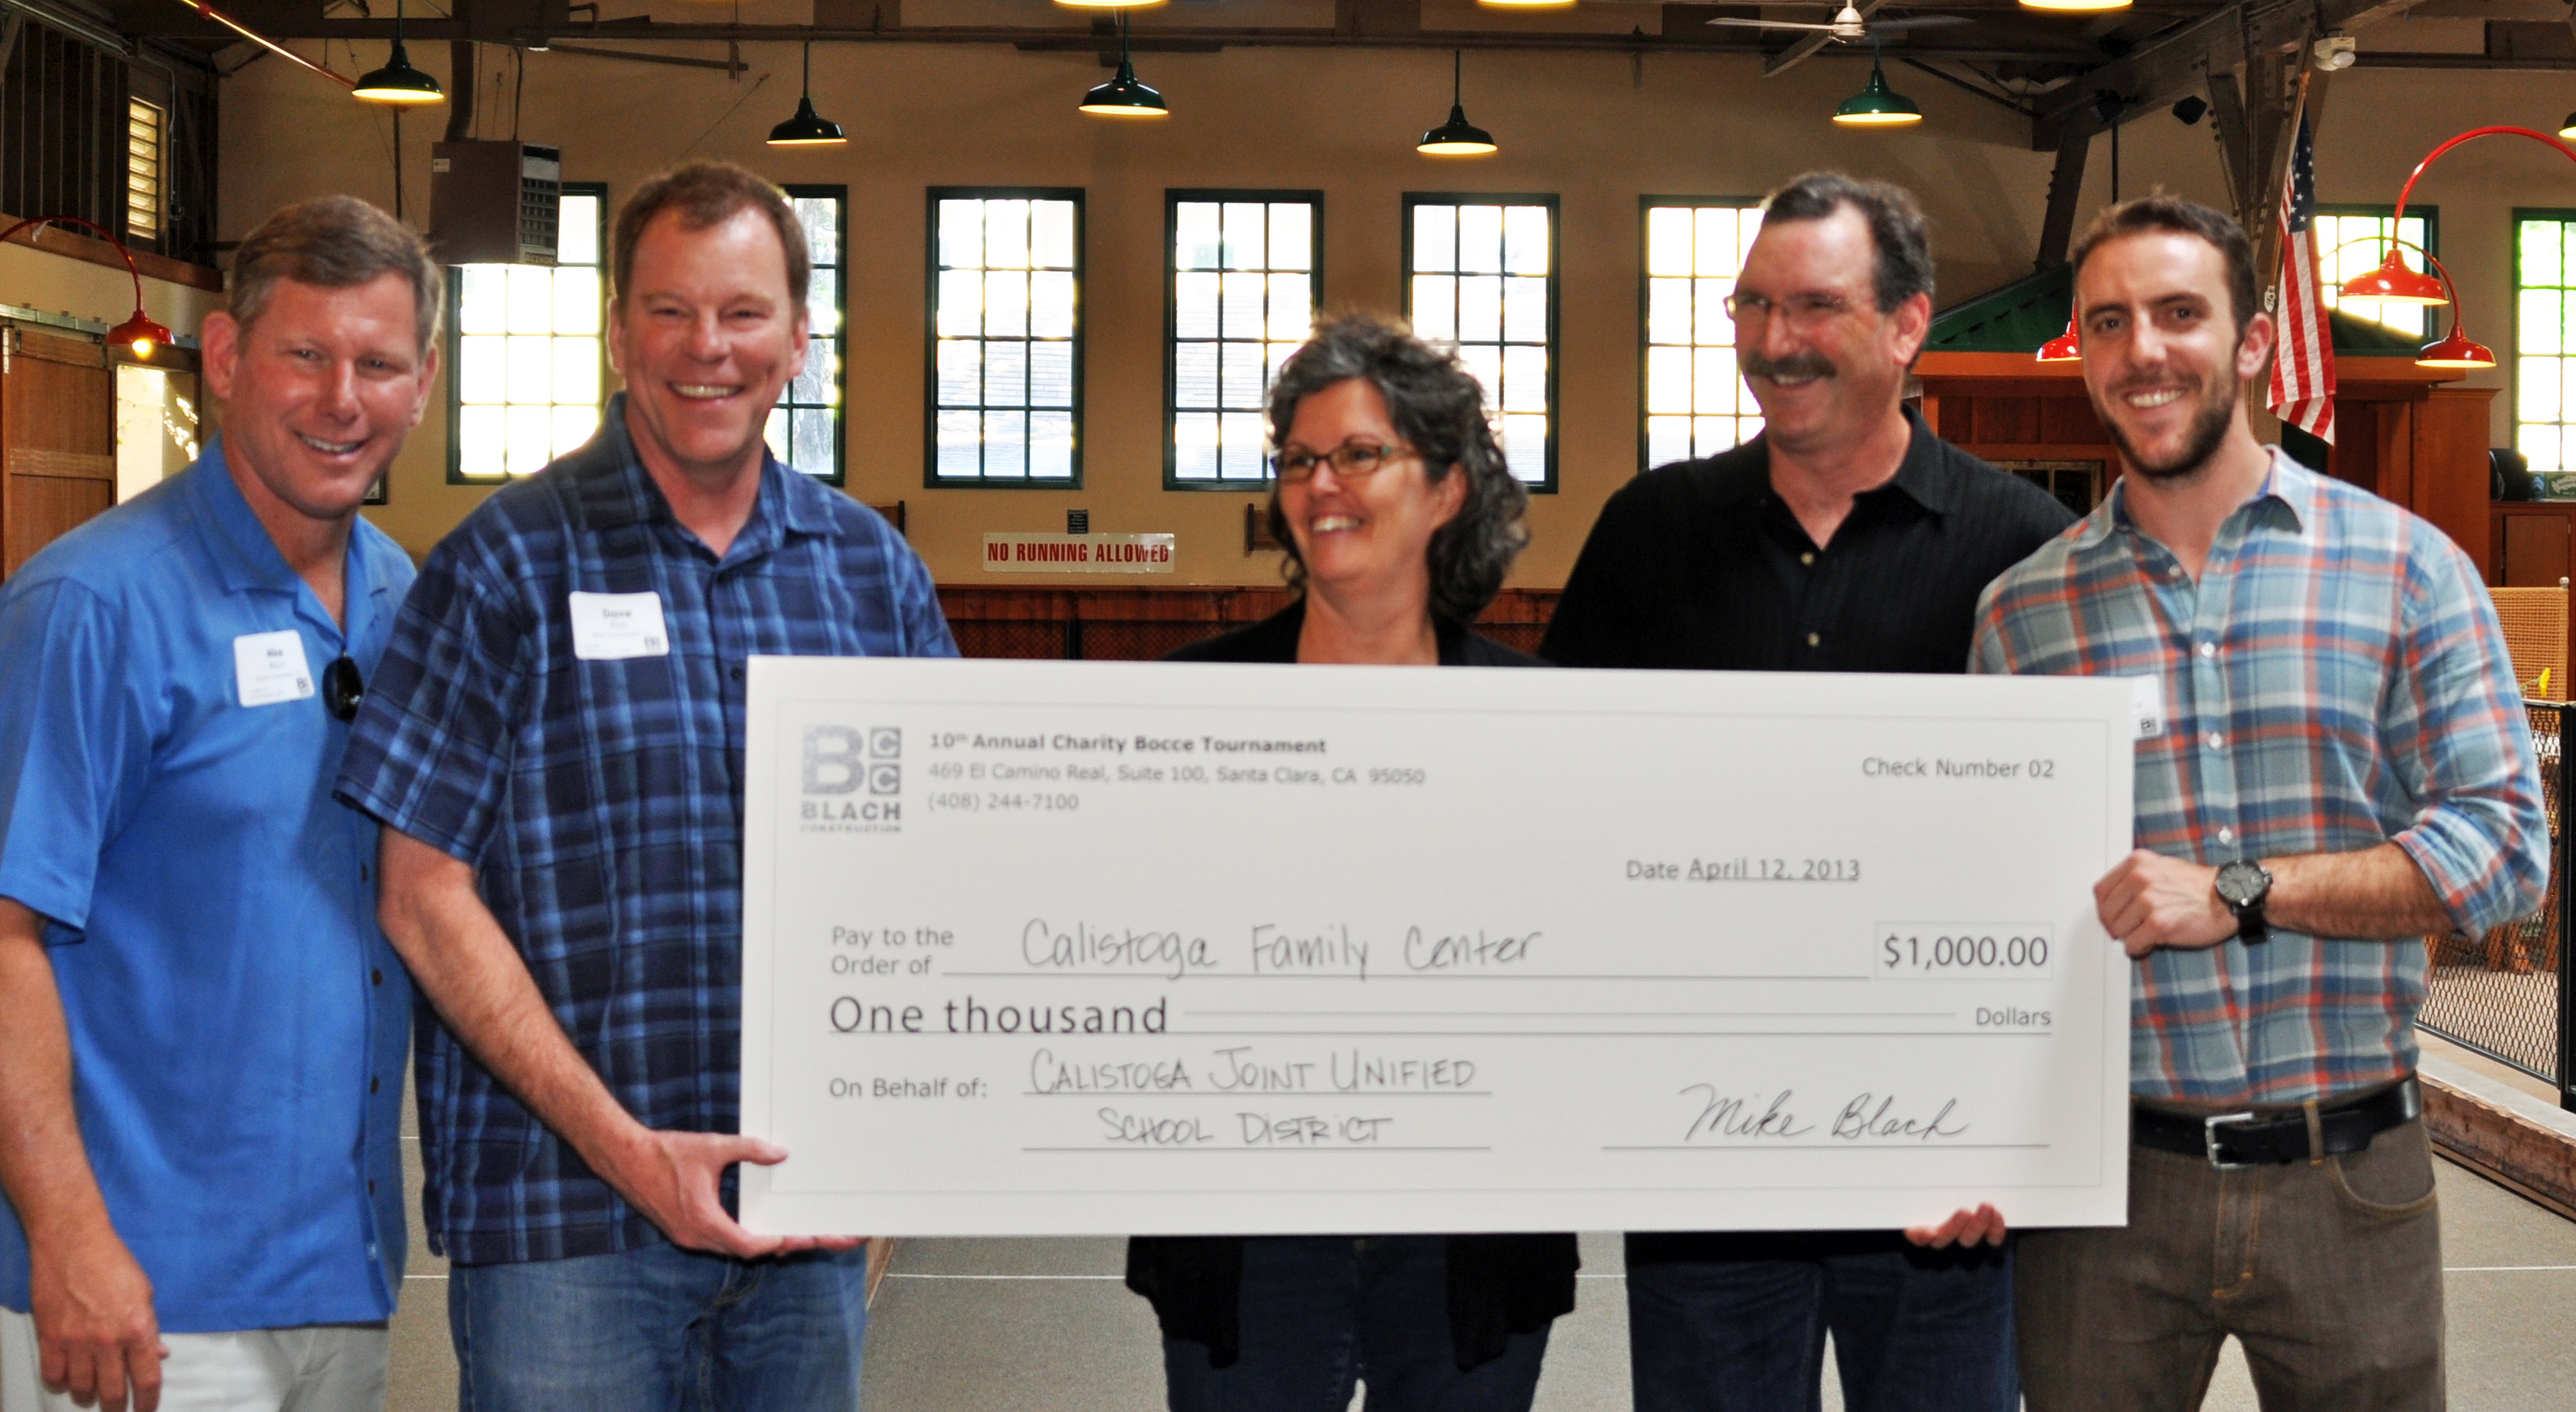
pixel 2535 552
pixel 57 439
pixel 2071 420
pixel 2009 420
pixel 2450 465
pixel 2377 439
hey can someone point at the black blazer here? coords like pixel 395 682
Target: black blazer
pixel 1274 639
pixel 1498 1285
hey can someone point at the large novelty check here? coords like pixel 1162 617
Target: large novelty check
pixel 1104 948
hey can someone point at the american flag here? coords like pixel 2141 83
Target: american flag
pixel 2303 370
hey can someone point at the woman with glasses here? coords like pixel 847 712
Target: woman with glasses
pixel 1399 519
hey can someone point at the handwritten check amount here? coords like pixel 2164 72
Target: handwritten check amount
pixel 1111 948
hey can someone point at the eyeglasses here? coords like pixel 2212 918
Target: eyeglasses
pixel 1350 461
pixel 1804 310
pixel 342 689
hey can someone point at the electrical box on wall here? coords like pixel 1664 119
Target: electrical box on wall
pixel 494 203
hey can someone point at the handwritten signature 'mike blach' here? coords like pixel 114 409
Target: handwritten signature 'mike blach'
pixel 1867 1118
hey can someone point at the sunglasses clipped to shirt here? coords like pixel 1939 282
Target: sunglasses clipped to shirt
pixel 342 689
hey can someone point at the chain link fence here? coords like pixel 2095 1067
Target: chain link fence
pixel 2500 994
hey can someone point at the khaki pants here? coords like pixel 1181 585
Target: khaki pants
pixel 2329 1273
pixel 317 1368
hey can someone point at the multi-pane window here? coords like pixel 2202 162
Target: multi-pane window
pixel 1245 269
pixel 1481 273
pixel 145 126
pixel 1006 347
pixel 2366 228
pixel 1696 401
pixel 527 351
pixel 805 427
pixel 2544 352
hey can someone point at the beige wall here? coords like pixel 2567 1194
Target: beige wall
pixel 1598 129
pixel 57 284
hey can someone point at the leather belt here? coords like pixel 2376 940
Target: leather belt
pixel 2233 1140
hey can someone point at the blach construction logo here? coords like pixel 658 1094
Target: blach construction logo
pixel 853 780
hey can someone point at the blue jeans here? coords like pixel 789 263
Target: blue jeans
pixel 660 1329
pixel 1737 1323
pixel 1319 1312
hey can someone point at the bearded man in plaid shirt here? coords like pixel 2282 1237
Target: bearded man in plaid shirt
pixel 2345 767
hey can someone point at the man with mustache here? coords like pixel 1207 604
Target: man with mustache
pixel 2345 767
pixel 1846 538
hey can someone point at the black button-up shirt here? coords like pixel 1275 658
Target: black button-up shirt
pixel 1700 564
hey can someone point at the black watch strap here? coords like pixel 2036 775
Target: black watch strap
pixel 2250 926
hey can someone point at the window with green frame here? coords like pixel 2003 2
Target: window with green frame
pixel 1005 337
pixel 2352 240
pixel 804 429
pixel 2544 353
pixel 525 350
pixel 1696 403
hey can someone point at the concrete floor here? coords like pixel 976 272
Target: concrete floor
pixel 1044 1325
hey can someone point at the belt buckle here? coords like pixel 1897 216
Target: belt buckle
pixel 2209 1127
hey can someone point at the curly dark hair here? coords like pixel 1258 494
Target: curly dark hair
pixel 1439 411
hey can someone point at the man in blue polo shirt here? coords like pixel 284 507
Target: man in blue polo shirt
pixel 201 1028
pixel 556 747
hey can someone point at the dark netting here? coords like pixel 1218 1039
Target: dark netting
pixel 1140 641
pixel 1007 638
pixel 2498 993
pixel 1520 637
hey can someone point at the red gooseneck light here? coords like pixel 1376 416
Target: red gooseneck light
pixel 2452 350
pixel 140 329
pixel 2394 281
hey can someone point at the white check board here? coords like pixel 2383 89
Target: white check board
pixel 1112 948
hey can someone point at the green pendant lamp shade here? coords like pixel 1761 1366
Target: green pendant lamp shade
pixel 398 82
pixel 808 128
pixel 1124 96
pixel 1878 105
pixel 1457 137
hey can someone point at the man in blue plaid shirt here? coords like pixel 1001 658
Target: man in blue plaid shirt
pixel 555 746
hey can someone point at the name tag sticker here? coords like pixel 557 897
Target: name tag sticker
pixel 2147 700
pixel 608 627
pixel 269 667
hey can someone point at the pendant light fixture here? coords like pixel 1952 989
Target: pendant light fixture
pixel 1457 137
pixel 398 84
pixel 807 128
pixel 2075 7
pixel 1878 105
pixel 1124 96
pixel 2064 348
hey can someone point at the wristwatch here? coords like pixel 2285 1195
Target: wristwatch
pixel 2243 885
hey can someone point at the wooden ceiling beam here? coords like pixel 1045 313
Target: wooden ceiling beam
pixel 2180 64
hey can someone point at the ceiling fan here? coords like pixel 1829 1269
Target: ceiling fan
pixel 1849 26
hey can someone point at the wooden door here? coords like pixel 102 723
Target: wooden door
pixel 57 438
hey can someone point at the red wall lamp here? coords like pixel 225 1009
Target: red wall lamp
pixel 140 329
